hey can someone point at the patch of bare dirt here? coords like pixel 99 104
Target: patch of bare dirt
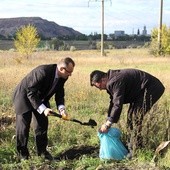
pixel 5 121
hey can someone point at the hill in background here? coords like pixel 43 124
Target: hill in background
pixel 46 29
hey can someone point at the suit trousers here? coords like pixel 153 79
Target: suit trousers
pixel 40 124
pixel 138 109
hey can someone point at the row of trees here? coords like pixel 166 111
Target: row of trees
pixel 92 36
pixel 27 39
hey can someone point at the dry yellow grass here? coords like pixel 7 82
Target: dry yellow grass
pixel 12 70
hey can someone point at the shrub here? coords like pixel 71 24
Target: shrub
pixel 165 41
pixel 72 48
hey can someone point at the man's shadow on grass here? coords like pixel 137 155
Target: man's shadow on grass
pixel 78 151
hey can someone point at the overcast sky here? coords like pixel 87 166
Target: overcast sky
pixel 85 15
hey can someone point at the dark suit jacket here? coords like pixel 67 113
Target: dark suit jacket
pixel 32 91
pixel 127 86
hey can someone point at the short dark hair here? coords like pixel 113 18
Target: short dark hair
pixel 96 76
pixel 66 61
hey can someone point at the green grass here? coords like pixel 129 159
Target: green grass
pixel 83 102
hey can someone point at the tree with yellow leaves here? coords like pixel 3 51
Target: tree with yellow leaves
pixel 165 41
pixel 26 40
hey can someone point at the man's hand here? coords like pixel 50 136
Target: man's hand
pixel 105 127
pixel 47 111
pixel 64 114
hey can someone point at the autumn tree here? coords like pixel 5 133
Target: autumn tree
pixel 165 41
pixel 26 40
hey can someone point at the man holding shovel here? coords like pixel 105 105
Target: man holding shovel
pixel 31 97
pixel 138 88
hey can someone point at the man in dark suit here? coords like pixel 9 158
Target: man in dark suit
pixel 31 97
pixel 138 88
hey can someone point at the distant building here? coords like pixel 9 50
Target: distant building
pixel 144 32
pixel 119 33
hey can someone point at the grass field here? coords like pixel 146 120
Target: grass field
pixel 83 102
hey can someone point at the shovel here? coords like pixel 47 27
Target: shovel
pixel 91 122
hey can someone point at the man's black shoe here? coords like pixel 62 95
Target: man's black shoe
pixel 23 154
pixel 47 155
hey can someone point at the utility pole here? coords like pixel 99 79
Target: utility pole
pixel 160 27
pixel 102 27
pixel 102 30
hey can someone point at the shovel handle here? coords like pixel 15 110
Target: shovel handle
pixel 91 122
pixel 58 115
pixel 55 114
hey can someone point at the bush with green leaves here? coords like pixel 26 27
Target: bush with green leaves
pixel 56 44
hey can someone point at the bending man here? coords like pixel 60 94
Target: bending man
pixel 138 88
pixel 31 97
